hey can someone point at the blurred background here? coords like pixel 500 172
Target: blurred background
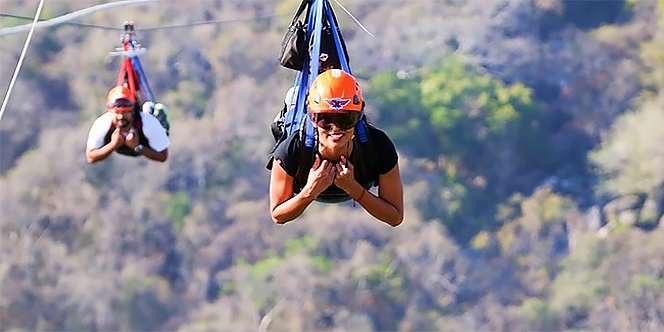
pixel 529 135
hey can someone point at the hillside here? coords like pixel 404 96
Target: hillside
pixel 528 135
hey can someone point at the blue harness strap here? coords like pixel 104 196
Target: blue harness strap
pixel 324 9
pixel 296 118
pixel 146 89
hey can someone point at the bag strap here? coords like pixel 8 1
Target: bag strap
pixel 336 30
pixel 300 10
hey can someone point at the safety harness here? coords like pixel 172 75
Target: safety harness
pixel 296 121
pixel 132 74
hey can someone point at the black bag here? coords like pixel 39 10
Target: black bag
pixel 295 46
pixel 329 47
pixel 294 42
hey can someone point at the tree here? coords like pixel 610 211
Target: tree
pixel 480 132
pixel 631 160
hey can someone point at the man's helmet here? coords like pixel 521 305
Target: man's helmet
pixel 120 100
pixel 335 91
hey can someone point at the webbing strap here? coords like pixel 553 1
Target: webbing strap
pixel 127 68
pixel 144 86
pixel 296 117
pixel 328 13
pixel 131 66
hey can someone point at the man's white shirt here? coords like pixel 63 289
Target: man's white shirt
pixel 152 129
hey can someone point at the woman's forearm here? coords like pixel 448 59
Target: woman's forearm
pixel 378 207
pixel 292 208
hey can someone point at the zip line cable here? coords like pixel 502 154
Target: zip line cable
pixel 68 17
pixel 21 57
pixel 354 19
pixel 158 27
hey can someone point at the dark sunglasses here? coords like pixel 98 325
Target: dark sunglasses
pixel 343 121
pixel 121 103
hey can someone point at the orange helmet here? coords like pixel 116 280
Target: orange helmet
pixel 335 90
pixel 120 99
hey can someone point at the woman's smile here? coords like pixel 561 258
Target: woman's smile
pixel 336 136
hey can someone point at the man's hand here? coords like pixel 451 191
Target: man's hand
pixel 131 140
pixel 117 139
pixel 345 176
pixel 99 154
pixel 321 176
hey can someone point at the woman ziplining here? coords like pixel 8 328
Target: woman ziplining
pixel 326 150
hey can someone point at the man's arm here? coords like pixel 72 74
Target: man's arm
pixel 96 155
pixel 156 135
pixel 96 150
pixel 151 154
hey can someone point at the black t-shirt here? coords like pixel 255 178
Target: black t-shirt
pixel 384 152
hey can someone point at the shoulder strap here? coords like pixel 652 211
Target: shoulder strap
pixel 308 149
pixel 307 155
pixel 107 137
pixel 138 121
pixel 366 154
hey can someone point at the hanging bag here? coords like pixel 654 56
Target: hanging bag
pixel 294 43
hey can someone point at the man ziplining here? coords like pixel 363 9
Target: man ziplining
pixel 131 126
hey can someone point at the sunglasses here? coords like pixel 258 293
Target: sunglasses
pixel 121 103
pixel 343 121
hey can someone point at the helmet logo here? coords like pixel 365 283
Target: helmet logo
pixel 337 103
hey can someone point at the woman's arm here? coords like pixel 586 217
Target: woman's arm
pixel 285 207
pixel 388 205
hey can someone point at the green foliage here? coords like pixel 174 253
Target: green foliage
pixel 178 208
pixel 78 255
pixel 646 283
pixel 190 100
pixel 145 303
pixel 306 243
pixel 652 53
pixel 398 100
pixel 537 314
pixel 262 268
pixel 294 247
pixel 480 131
pixel 481 240
pixel 582 282
pixel 453 109
pixel 629 161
